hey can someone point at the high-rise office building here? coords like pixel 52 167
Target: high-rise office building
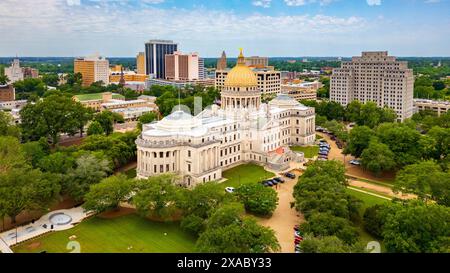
pixel 155 52
pixel 376 77
pixel 179 66
pixel 222 62
pixel 93 69
pixel 201 69
pixel 140 63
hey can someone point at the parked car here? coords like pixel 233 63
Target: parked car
pixel 274 182
pixel 355 162
pixel 290 175
pixel 229 189
pixel 278 179
pixel 323 153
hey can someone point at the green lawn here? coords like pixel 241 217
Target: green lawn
pixel 244 174
pixel 309 151
pixel 116 236
pixel 96 96
pixel 368 201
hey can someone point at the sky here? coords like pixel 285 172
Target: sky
pixel 120 28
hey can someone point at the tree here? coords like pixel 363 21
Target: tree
pixel 353 111
pixel 358 140
pixel 378 158
pixel 119 147
pixel 11 154
pixel 3 79
pixel 89 170
pixel 438 85
pixel 322 188
pixel 425 179
pixel 198 203
pixel 26 189
pixel 28 87
pixel 82 115
pixel 328 244
pixel 95 128
pixel 35 150
pixel 371 115
pixel 146 118
pixel 337 128
pixel 258 199
pixel 106 120
pixel 7 128
pixel 51 79
pixel 374 220
pixel 416 227
pixel 325 224
pixel 58 163
pixel 228 231
pixel 402 140
pixel 158 196
pixel 331 168
pixel 441 141
pixel 49 117
pixel 108 194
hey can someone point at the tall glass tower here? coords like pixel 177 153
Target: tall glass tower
pixel 155 52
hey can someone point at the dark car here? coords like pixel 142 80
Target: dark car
pixel 290 175
pixel 269 183
pixel 278 179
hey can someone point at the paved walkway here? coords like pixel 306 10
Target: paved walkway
pixel 41 226
pixel 370 193
pixel 284 217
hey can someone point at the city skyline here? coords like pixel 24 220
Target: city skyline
pixel 274 28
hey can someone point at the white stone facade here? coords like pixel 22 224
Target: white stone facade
pixel 198 148
pixel 376 77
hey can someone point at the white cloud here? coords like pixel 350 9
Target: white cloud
pixel 262 3
pixel 59 29
pixel 295 2
pixel 73 2
pixel 373 2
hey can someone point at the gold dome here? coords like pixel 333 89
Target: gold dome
pixel 241 75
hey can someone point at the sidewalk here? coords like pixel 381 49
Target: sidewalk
pixel 41 226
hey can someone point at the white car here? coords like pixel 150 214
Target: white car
pixel 229 189
pixel 355 162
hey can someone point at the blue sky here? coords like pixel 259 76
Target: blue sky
pixel 261 27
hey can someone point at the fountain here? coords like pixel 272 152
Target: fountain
pixel 60 219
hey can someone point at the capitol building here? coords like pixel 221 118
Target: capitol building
pixel 241 130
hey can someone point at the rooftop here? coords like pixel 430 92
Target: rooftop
pixel 96 96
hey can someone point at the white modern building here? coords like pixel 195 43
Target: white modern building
pixel 198 148
pixel 376 77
